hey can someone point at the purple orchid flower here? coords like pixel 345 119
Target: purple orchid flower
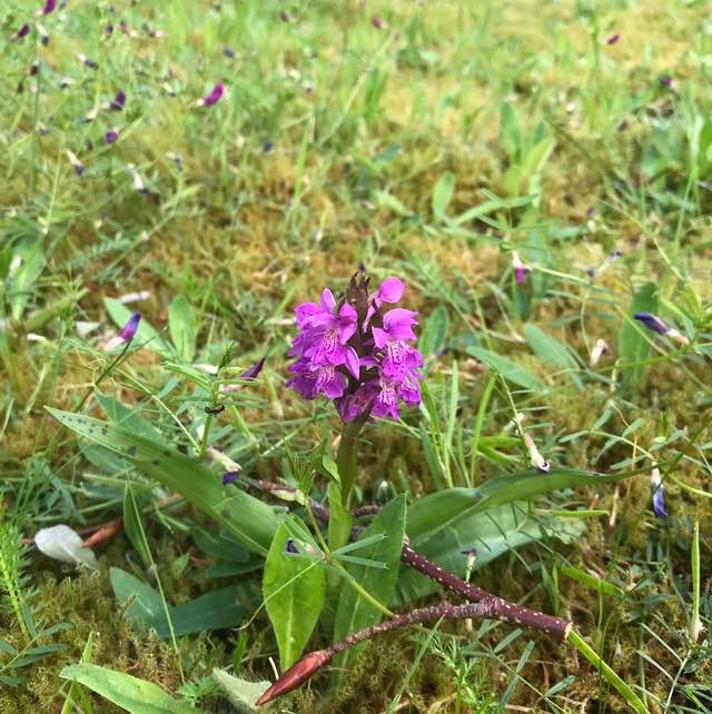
pixel 213 97
pixel 349 352
pixel 656 483
pixel 128 331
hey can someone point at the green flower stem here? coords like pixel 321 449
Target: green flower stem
pixel 635 703
pixel 346 459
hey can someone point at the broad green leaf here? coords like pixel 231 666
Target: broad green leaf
pixel 120 314
pixel 29 257
pixel 216 610
pixel 444 508
pixel 127 417
pixel 434 334
pixel 183 326
pixel 294 589
pixel 242 693
pixel 133 694
pixel 633 343
pixel 354 612
pixel 492 533
pixel 506 367
pixel 442 195
pixel 552 353
pixel 252 522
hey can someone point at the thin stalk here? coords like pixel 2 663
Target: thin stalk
pixel 346 459
pixel 575 640
pixel 311 663
pixel 695 622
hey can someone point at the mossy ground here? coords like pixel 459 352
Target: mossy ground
pixel 340 122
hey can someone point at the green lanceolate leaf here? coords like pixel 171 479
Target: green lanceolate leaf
pixel 443 508
pixel 552 353
pixel 294 588
pixel 510 370
pixel 633 343
pixel 442 195
pixel 131 693
pixel 216 610
pixel 252 522
pixel 183 326
pixel 355 612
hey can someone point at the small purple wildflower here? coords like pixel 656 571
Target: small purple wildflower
pixel 49 7
pixel 213 97
pixel 253 371
pixel 654 323
pixel 227 52
pixel 613 39
pixel 667 81
pixel 112 135
pixel 229 477
pixel 77 165
pixel 128 331
pixel 353 353
pixel 656 484
pixel 22 32
pixel 291 547
pixel 520 270
pixel 118 102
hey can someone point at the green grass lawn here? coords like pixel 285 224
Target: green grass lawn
pixel 440 142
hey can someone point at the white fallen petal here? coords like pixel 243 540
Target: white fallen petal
pixel 63 543
pixel 128 298
pixel 84 328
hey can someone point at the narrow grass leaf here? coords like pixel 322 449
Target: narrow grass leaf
pixel 510 370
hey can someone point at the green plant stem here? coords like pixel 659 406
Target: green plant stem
pixel 576 641
pixel 346 459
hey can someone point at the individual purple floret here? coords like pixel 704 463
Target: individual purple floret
pixel 22 32
pixel 253 371
pixel 658 494
pixel 613 39
pixel 229 477
pixel 213 97
pixel 654 323
pixel 118 102
pixel 112 135
pixel 357 354
pixel 520 270
pixel 128 331
pixel 49 7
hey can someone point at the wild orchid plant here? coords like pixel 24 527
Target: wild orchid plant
pixel 361 356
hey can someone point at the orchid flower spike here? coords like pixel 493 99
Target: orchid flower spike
pixel 654 323
pixel 656 484
pixel 353 354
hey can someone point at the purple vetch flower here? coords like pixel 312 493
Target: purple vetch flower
pixel 599 349
pixel 112 135
pixel 654 323
pixel 128 331
pixel 22 32
pixel 253 371
pixel 352 353
pixel 118 102
pixel 667 81
pixel 613 39
pixel 49 7
pixel 87 62
pixel 520 270
pixel 230 477
pixel 656 484
pixel 77 165
pixel 213 97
